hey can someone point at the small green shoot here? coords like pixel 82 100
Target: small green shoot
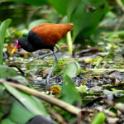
pixel 3 27
pixel 99 118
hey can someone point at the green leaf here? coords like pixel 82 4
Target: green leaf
pixel 60 5
pixel 22 80
pixel 69 91
pixel 33 2
pixel 72 6
pixel 33 104
pixel 7 121
pixel 16 116
pixel 87 16
pixel 16 113
pixel 6 71
pixel 3 27
pixel 2 88
pixel 99 118
pixel 71 69
pixel 82 89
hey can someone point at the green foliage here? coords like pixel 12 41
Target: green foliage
pixel 60 5
pixel 72 69
pixel 85 14
pixel 23 103
pixel 2 88
pixel 7 121
pixel 86 19
pixel 16 113
pixel 82 89
pixel 6 71
pixel 37 22
pixel 69 91
pixel 31 103
pixel 3 27
pixel 99 118
pixel 33 2
pixel 22 80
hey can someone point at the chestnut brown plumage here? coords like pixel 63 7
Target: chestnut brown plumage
pixel 44 36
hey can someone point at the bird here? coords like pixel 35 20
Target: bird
pixel 44 36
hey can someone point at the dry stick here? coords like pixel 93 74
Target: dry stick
pixel 70 108
pixel 57 117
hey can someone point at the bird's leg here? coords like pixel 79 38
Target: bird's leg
pixel 48 77
pixel 51 69
pixel 55 57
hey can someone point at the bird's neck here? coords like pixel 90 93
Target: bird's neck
pixel 29 47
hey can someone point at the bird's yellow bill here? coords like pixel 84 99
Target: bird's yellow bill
pixel 13 50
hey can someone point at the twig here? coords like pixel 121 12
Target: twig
pixel 66 106
pixel 19 69
pixel 57 117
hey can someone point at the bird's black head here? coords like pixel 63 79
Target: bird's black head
pixel 25 44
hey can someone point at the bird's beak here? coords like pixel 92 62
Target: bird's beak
pixel 16 46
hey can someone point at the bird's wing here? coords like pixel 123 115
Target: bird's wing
pixel 51 33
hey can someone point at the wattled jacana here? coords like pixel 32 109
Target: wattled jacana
pixel 44 36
